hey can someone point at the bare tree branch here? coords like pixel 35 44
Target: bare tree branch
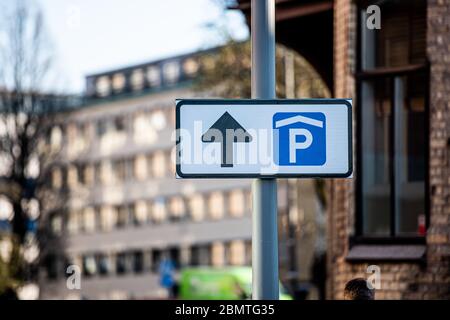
pixel 27 115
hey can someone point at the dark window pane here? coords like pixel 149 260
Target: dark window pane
pixel 410 137
pixel 104 264
pixel 200 255
pixel 121 263
pixel 174 255
pixel 138 262
pixel 156 259
pixel 375 127
pixel 51 265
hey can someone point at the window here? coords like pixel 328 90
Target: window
pixel 174 256
pixel 171 71
pixel 236 203
pixel 118 82
pixel 156 256
pixel 56 138
pixel 89 174
pixel 108 217
pixel 197 207
pixel 392 114
pixel 190 67
pixel 56 224
pixel 123 217
pixel 153 76
pixel 97 171
pixel 121 263
pixel 89 265
pixel 201 255
pixel 218 254
pixel 119 170
pixel 103 86
pixel 140 167
pixel 216 205
pixel 158 210
pixel 138 261
pixel 106 172
pixel 101 127
pixel 159 164
pixel 73 225
pixel 51 264
pixel 140 213
pixel 72 177
pixel 237 252
pixel 177 208
pixel 143 130
pixel 89 220
pixel 104 264
pixel 158 120
pixel 401 41
pixel 137 79
pixel 84 134
pixel 75 141
pixel 81 168
pixel 119 124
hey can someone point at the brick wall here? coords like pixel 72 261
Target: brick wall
pixel 340 191
pixel 435 281
pixel 430 280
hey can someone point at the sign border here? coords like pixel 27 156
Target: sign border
pixel 181 102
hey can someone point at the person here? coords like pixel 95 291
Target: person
pixel 166 275
pixel 358 289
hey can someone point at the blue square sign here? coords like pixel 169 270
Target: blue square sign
pixel 299 138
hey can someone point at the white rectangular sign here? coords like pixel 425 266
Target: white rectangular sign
pixel 264 138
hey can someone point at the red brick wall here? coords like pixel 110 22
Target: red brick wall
pixel 398 280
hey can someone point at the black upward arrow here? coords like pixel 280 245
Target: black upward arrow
pixel 226 131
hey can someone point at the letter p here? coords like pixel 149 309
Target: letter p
pixel 294 145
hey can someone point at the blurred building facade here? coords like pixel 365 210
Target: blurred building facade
pixel 393 216
pixel 127 211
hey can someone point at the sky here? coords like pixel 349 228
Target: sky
pixel 90 36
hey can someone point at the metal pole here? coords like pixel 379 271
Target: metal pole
pixel 265 227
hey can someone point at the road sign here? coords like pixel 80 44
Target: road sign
pixel 264 138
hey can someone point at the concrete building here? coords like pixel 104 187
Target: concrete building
pixel 126 210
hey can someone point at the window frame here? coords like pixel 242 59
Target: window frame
pixel 390 74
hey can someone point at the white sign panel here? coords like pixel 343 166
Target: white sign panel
pixel 264 138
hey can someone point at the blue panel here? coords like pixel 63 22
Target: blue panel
pixel 313 154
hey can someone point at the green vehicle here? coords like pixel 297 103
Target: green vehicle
pixel 227 283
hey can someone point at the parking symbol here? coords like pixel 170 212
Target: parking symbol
pixel 300 138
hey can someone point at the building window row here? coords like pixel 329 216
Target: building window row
pixel 159 164
pixel 151 76
pixel 142 126
pixel 101 264
pixel 200 207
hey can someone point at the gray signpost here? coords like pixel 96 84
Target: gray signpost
pixel 265 224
